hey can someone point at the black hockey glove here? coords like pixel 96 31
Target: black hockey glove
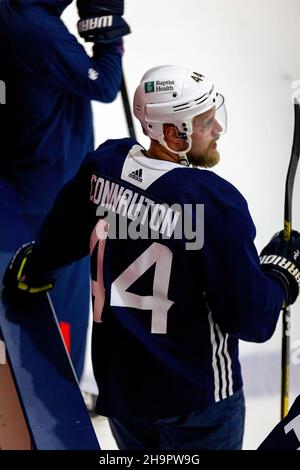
pixel 101 20
pixel 26 273
pixel 281 260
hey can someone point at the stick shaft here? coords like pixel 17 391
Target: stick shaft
pixel 127 108
pixel 286 322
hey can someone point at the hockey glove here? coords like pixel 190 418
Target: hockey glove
pixel 101 20
pixel 281 260
pixel 25 272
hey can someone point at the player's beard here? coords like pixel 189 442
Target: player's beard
pixel 205 159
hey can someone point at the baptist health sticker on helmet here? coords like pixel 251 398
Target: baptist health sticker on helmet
pixel 162 86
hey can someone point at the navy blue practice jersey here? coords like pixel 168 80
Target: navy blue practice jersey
pixel 176 279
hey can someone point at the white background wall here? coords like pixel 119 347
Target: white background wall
pixel 252 51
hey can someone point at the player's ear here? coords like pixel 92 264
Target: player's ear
pixel 171 134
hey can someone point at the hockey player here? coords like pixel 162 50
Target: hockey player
pixel 46 125
pixel 173 292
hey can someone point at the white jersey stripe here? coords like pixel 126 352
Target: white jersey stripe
pixel 229 367
pixel 222 345
pixel 214 357
pixel 220 352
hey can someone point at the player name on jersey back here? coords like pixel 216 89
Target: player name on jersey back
pixel 148 218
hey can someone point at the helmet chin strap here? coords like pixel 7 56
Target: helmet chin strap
pixel 183 159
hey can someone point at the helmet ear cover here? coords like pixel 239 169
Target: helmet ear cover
pixel 182 135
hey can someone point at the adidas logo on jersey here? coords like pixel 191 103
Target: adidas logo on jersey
pixel 137 175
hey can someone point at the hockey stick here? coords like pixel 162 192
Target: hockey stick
pixel 127 108
pixel 286 324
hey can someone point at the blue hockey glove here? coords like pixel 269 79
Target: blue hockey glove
pixel 101 21
pixel 26 273
pixel 281 260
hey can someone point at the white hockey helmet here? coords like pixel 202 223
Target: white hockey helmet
pixel 175 95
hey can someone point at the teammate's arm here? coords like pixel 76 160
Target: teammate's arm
pixel 47 51
pixel 63 238
pixel 65 233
